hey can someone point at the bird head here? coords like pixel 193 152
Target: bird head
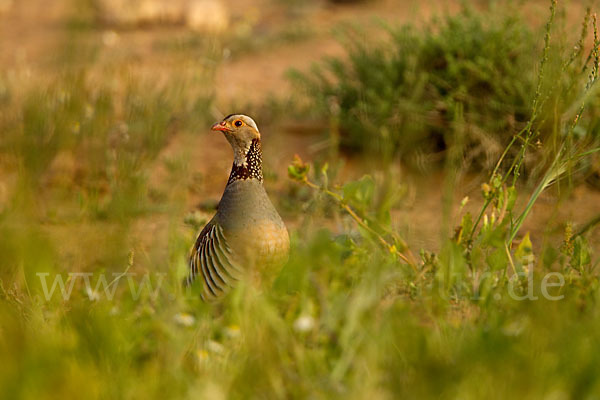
pixel 241 131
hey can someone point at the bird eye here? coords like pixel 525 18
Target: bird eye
pixel 238 123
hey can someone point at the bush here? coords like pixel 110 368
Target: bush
pixel 401 97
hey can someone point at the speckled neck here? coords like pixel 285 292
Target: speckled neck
pixel 251 168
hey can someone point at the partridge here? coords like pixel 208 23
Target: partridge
pixel 246 239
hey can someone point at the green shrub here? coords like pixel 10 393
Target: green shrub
pixel 400 97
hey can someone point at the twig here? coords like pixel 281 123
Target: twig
pixel 129 265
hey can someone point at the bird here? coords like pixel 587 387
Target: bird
pixel 246 238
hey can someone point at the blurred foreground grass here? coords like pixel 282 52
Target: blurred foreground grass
pixel 347 317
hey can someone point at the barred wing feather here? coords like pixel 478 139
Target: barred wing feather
pixel 213 260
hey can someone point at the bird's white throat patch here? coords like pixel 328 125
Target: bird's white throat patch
pixel 250 167
pixel 240 155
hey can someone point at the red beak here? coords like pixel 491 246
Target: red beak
pixel 220 126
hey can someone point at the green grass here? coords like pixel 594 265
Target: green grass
pixel 354 314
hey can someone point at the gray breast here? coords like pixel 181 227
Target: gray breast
pixel 244 203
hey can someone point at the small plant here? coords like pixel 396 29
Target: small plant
pixel 358 195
